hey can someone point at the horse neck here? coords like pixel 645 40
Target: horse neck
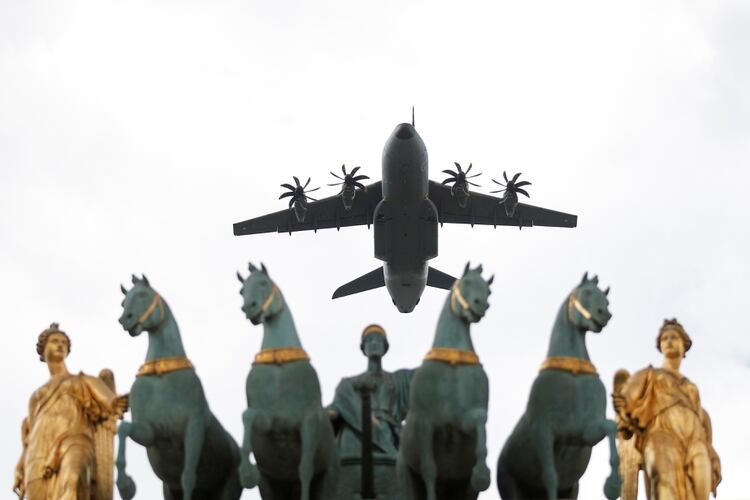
pixel 279 331
pixel 164 340
pixel 452 332
pixel 567 339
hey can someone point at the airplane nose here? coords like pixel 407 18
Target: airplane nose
pixel 405 131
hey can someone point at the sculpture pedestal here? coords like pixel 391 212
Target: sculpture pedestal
pixel 350 482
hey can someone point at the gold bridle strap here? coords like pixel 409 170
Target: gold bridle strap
pixel 280 356
pixel 269 299
pixel 452 356
pixel 569 364
pixel 161 366
pixel 456 296
pixel 147 313
pixel 574 303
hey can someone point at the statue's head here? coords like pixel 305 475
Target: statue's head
pixel 53 344
pixel 588 305
pixel 261 299
pixel 673 341
pixel 468 298
pixel 142 308
pixel 374 342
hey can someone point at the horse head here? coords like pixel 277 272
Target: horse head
pixel 142 308
pixel 588 305
pixel 261 297
pixel 468 297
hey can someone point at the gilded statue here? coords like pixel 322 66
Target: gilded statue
pixel 68 433
pixel 663 428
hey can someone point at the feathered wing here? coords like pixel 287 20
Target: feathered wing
pixel 631 461
pixel 104 447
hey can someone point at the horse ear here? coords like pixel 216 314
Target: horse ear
pixel 263 268
pixel 595 280
pixel 133 279
pixel 124 292
pixel 606 292
pixel 466 269
pixel 239 277
pixel 585 277
pixel 492 278
pixel 145 280
pixel 251 267
pixel 480 269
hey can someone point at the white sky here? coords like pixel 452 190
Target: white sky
pixel 133 134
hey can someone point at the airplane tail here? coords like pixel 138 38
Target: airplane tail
pixel 439 279
pixel 373 279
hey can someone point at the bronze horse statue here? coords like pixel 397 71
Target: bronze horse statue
pixel 285 426
pixel 443 444
pixel 187 447
pixel 550 447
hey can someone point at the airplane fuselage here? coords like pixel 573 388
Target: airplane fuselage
pixel 405 221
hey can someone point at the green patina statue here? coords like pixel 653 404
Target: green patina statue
pixel 285 426
pixel 443 445
pixel 550 447
pixel 389 398
pixel 187 447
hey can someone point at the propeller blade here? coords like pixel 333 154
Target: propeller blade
pixel 336 176
pixel 311 190
pixel 360 186
pixel 505 176
pixel 450 172
pixel 498 191
pixel 296 180
pixel 467 170
pixel 359 178
pixel 288 186
pixel 291 202
pixel 354 171
pixel 498 183
pixel 310 198
pixel 523 193
pixel 523 183
pixel 343 169
pixel 477 185
pixel 306 183
pixel 286 195
pixel 448 181
pixel 337 184
pixel 459 167
pixel 472 176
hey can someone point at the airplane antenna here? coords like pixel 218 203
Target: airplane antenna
pixel 412 116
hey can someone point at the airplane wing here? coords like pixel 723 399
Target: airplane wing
pixel 322 214
pixel 488 210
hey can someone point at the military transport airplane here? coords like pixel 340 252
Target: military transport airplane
pixel 405 209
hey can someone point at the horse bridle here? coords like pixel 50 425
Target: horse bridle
pixel 573 303
pixel 457 296
pixel 269 299
pixel 156 301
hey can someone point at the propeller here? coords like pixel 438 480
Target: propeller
pixel 349 184
pixel 298 193
pixel 511 188
pixel 460 181
pixel 298 197
pixel 459 177
pixel 349 180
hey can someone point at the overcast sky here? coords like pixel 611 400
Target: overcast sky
pixel 134 133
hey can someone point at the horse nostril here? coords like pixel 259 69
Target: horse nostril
pixel 253 304
pixel 476 301
pixel 129 315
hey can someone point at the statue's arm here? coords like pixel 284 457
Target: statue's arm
pixel 18 481
pixel 627 398
pixel 106 397
pixel 715 461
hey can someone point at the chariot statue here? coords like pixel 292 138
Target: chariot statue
pixel 663 428
pixel 68 433
pixel 388 395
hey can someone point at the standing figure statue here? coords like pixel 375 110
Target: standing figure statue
pixel 443 445
pixel 68 433
pixel 389 402
pixel 188 449
pixel 550 447
pixel 285 426
pixel 665 430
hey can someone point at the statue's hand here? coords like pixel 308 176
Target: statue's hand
pixel 715 475
pixel 618 401
pixel 18 486
pixel 121 404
